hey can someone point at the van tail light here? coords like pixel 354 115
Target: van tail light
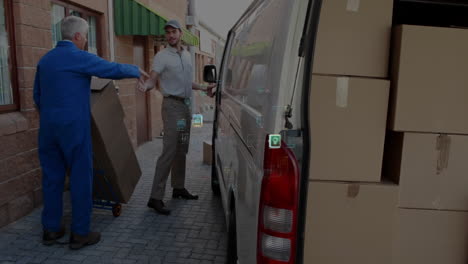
pixel 277 219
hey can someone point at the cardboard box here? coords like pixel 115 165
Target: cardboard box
pixel 116 167
pixel 353 38
pixel 431 237
pixel 429 80
pixel 207 152
pixel 348 119
pixel 431 170
pixel 350 223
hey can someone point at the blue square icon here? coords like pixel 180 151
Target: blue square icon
pixel 197 120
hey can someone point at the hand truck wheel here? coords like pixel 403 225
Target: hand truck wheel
pixel 117 209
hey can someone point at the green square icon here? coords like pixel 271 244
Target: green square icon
pixel 274 141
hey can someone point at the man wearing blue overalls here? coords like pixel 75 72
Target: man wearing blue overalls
pixel 62 96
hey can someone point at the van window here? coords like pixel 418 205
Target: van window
pixel 8 74
pixel 253 72
pixel 225 78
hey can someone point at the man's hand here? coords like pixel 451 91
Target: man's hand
pixel 143 75
pixel 142 80
pixel 209 89
pixel 142 86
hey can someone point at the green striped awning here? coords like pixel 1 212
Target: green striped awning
pixel 134 18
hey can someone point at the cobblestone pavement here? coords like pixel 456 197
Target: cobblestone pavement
pixel 193 234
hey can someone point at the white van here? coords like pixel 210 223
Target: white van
pixel 262 134
pixel 259 85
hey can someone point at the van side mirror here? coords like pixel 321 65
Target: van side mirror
pixel 209 74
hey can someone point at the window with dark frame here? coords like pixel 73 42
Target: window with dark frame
pixel 8 76
pixel 61 9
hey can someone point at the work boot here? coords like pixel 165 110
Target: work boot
pixel 158 206
pixel 184 194
pixel 49 238
pixel 77 241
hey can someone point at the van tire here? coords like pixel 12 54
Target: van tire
pixel 214 181
pixel 232 239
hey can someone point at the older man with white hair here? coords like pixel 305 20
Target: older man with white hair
pixel 62 96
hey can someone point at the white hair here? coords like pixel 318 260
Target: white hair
pixel 72 25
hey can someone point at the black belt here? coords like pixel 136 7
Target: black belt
pixel 176 98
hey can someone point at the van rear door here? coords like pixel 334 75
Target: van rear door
pixel 306 51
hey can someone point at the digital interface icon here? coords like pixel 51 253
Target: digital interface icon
pixel 197 120
pixel 181 124
pixel 274 141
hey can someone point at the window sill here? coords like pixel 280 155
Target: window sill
pixel 12 123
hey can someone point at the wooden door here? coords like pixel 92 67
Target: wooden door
pixel 141 99
pixel 155 106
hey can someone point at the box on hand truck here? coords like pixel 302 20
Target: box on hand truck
pixel 116 168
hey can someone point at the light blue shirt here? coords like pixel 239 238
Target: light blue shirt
pixel 175 72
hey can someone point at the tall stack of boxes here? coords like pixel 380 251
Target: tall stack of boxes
pixel 399 197
pixel 427 150
pixel 350 210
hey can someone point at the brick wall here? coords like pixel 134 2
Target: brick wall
pixel 20 175
pixel 124 54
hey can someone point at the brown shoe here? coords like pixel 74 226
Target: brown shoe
pixel 158 206
pixel 77 241
pixel 184 194
pixel 49 238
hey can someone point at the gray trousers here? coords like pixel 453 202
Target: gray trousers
pixel 177 120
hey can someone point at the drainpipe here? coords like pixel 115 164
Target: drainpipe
pixel 110 15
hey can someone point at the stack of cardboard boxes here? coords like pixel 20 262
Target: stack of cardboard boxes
pixel 427 150
pixel 415 213
pixel 350 210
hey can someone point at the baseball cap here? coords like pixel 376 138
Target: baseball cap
pixel 173 23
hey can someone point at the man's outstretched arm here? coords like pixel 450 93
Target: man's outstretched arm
pixel 96 66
